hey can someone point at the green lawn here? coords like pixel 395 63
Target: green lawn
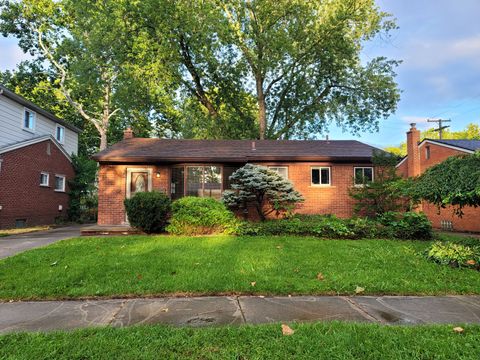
pixel 310 341
pixel 160 265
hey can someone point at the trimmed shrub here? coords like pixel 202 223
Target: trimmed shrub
pixel 148 211
pixel 201 216
pixel 393 225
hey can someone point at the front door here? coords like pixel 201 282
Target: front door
pixel 138 180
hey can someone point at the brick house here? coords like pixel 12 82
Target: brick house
pixel 323 171
pixel 423 154
pixel 35 163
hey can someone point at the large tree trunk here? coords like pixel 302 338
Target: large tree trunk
pixel 262 108
pixel 103 139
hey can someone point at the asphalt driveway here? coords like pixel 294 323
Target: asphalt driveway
pixel 14 244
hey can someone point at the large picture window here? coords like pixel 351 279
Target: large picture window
pixel 204 181
pixel 196 180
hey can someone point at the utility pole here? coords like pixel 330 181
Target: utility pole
pixel 440 127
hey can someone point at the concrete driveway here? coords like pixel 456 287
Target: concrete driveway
pixel 14 244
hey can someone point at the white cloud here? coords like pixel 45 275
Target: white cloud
pixel 421 121
pixel 424 53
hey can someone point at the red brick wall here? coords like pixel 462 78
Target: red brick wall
pixel 333 199
pixel 470 220
pixel 21 195
pixel 112 190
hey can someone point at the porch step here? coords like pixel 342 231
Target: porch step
pixel 93 230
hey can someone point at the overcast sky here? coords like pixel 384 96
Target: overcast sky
pixel 439 43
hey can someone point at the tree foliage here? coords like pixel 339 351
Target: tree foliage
pixel 263 189
pixel 455 181
pixel 212 69
pixel 83 197
pixel 387 193
pixel 85 46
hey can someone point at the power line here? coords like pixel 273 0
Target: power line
pixel 440 127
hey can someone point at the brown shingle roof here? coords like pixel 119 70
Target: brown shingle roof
pixel 143 150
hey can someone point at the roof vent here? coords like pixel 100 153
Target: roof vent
pixel 253 146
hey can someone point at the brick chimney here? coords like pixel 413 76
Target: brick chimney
pixel 413 152
pixel 128 133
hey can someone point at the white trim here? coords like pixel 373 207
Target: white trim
pixel 320 176
pixel 22 144
pixel 34 120
pixel 362 167
pixel 47 184
pixel 128 179
pixel 64 181
pixel 278 167
pixel 57 126
pixel 401 162
pixel 425 141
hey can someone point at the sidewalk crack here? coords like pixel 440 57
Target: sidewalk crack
pixel 241 310
pixel 120 308
pixel 362 311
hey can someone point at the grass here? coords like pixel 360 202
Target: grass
pixel 8 232
pixel 310 341
pixel 165 265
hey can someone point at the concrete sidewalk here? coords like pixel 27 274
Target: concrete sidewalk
pixel 14 244
pixel 208 311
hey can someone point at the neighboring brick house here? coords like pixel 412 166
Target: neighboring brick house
pixel 423 154
pixel 35 163
pixel 322 170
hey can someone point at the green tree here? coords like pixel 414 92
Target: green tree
pixel 83 199
pixel 262 188
pixel 386 193
pixel 86 47
pixel 277 69
pixel 304 59
pixel 455 181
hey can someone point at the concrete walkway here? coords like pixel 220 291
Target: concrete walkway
pixel 14 244
pixel 208 311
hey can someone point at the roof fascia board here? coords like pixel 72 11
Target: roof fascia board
pixel 424 141
pixel 33 141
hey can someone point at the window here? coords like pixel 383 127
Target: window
pixel 204 181
pixel 60 134
pixel 29 120
pixel 427 152
pixel 320 176
pixel 280 170
pixel 363 175
pixel 59 183
pixel 44 179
